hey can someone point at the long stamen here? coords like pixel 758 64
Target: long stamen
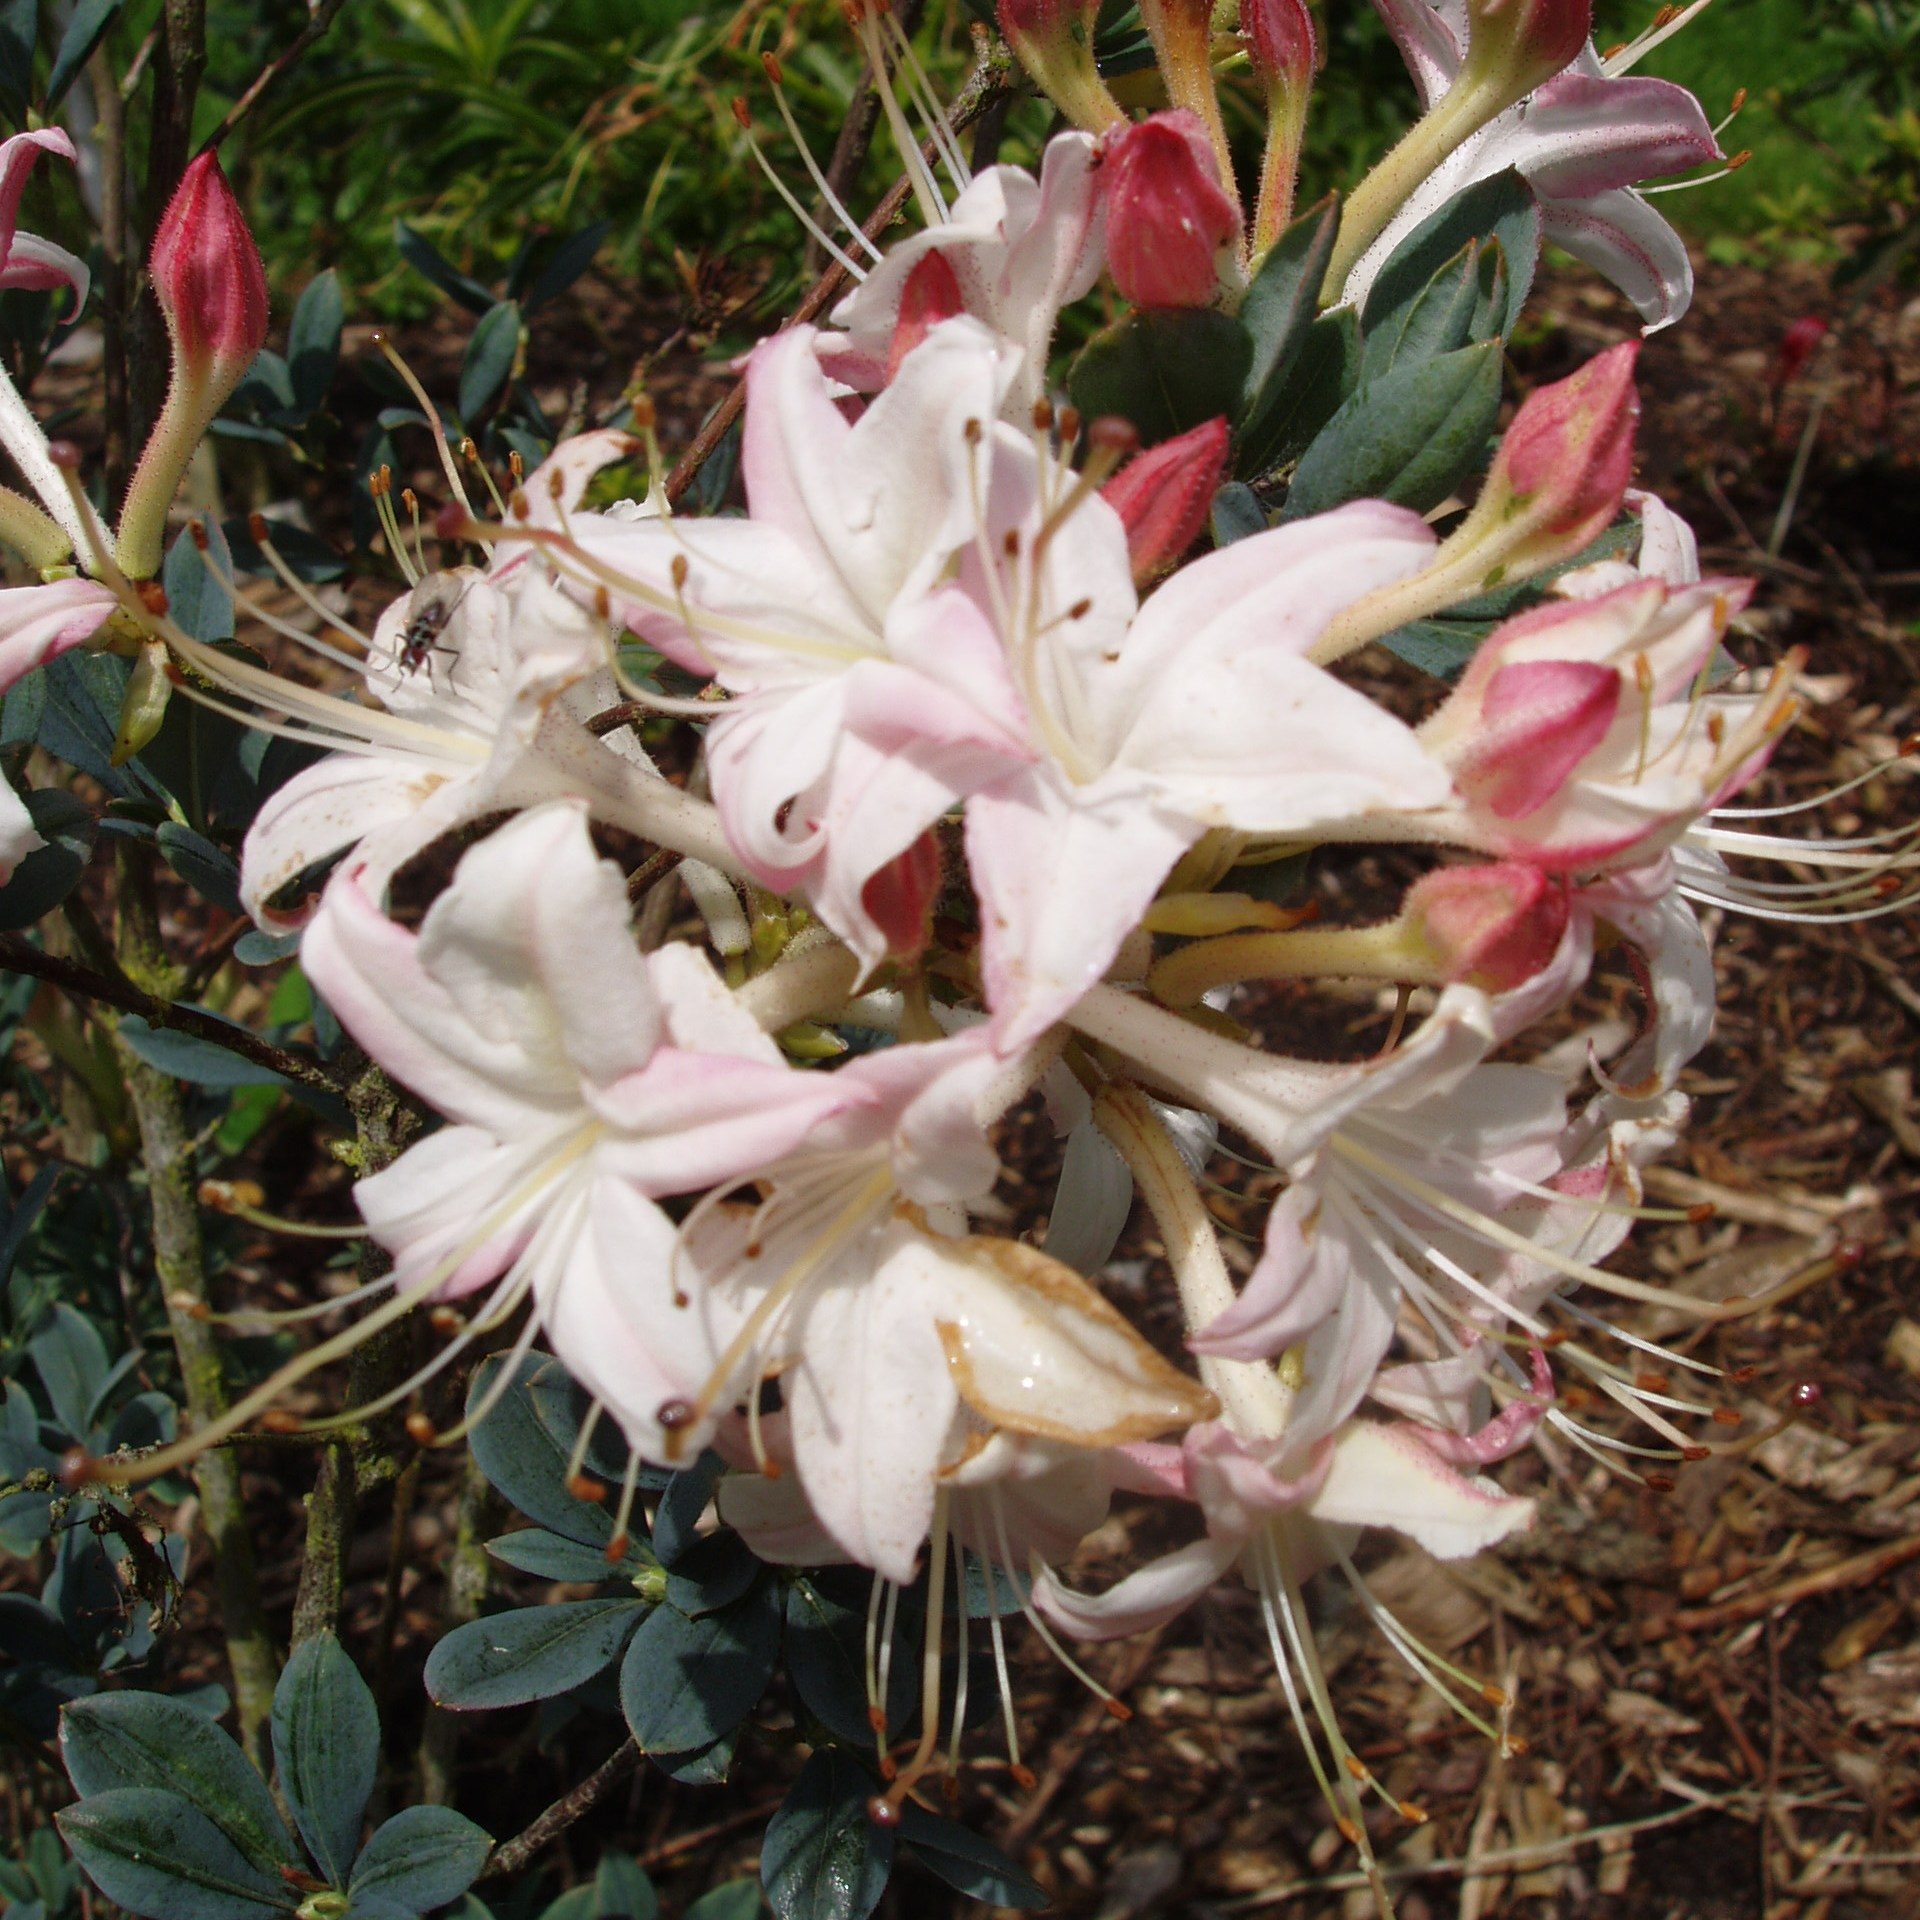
pixel 818 234
pixel 926 189
pixel 433 419
pixel 821 184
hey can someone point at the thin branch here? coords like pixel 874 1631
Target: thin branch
pixel 116 990
pixel 318 21
pixel 984 85
pixel 514 1854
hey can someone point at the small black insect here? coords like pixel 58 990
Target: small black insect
pixel 435 601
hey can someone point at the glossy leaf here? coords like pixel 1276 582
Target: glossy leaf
pixel 1501 208
pixel 550 1556
pixel 313 342
pixel 686 1683
pixel 48 874
pixel 735 1900
pixel 531 1653
pixel 523 1455
pixel 85 29
pixel 823 1858
pixel 421 1859
pixel 965 1860
pixel 326 1742
pixel 489 359
pixel 1325 372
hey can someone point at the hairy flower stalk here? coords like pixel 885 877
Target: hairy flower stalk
pixel 1283 49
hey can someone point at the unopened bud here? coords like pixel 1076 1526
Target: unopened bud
pixel 1053 40
pixel 1495 925
pixel 144 705
pixel 1566 460
pixel 1282 47
pixel 1163 496
pixel 206 271
pixel 1172 228
pixel 1521 43
pixel 1283 50
pixel 899 897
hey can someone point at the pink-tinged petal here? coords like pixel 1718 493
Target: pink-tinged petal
pixel 1502 1436
pixel 17 835
pixel 461 1205
pixel 691 1120
pixel 1016 1499
pixel 39 266
pixel 1427 44
pixel 1144 1600
pixel 603 1286
pixel 931 294
pixel 1543 717
pixel 1661 926
pixel 1239 1487
pixel 38 624
pixel 1620 236
pixel 1450 1393
pixel 1668 549
pixel 872 1405
pixel 1386 1477
pixel 1300 1279
pixel 533 943
pixel 1590 134
pixel 320 812
pixel 776 1519
pixel 941 1153
pixel 1061 883
pixel 26 261
pixel 701 1013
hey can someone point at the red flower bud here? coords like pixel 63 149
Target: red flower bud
pixel 1495 925
pixel 1568 456
pixel 1163 496
pixel 1526 42
pixel 1169 220
pixel 1796 349
pixel 1281 44
pixel 206 270
pixel 900 897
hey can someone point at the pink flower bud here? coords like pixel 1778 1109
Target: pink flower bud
pixel 1281 44
pixel 1795 350
pixel 1567 459
pixel 1054 42
pixel 899 897
pixel 206 271
pixel 1163 496
pixel 1169 220
pixel 1525 42
pixel 1494 925
pixel 931 294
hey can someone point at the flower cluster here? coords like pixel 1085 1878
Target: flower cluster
pixel 990 773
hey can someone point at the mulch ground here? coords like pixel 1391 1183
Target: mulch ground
pixel 1718 1685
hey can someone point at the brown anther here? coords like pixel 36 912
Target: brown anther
pixel 673 1415
pixel 64 455
pixel 446 1319
pixel 1660 1482
pixel 1806 1394
pixel 770 66
pixel 198 534
pixel 1726 1417
pixel 1517 1744
pixel 1696 1453
pixel 410 500
pixel 1739 100
pixel 771 1469
pixel 1357 1767
pixel 386 477
pixel 556 485
pixel 679 571
pixel 615 1549
pixel 1700 1213
pixel 646 416
pixel 1412 1810
pixel 517 504
pixel 1576 1399
pixel 1069 425
pixel 1495 1697
pixel 1011 542
pixel 1740 1376
pixel 1119 1710
pixel 468 451
pixel 516 466
pixel 602 603
pixel 377 339
pixel 877 1720
pixel 950 1789
pixel 889 1767
pixel 1043 415
pixel 1613 53
pixel 1740 159
pixel 583 1486
pixel 882 1811
pixel 279 1420
pixel 153 596
pixel 1717 728
pixel 741 112
pixel 1910 746
pixel 1349 1830
pixel 1652 1382
pixel 77 1467
pixel 257 529
pixel 1643 673
pixel 974 432
pixel 753 1249
pixel 1080 609
pixel 1887 884
pixel 420 1430
pixel 1023 1777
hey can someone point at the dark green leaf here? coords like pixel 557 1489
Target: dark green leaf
pixel 420 254
pixel 158 1856
pixel 1501 208
pixel 562 266
pixel 71 1360
pixel 686 1683
pixel 19 29
pixel 118 1740
pixel 522 1454
pixel 823 1858
pixel 825 1653
pixel 1237 513
pixel 704 1766
pixel 187 1057
pixel 196 584
pixel 1277 312
pixel 1324 373
pixel 313 342
pixel 17 1216
pixel 622 1891
pixel 207 869
pixel 257 949
pixel 1165 371
pixel 711 1573
pixel 90 20
pixel 81 714
pixel 532 1653
pixel 1411 436
pixel 965 1860
pixel 686 1498
pixel 47 875
pixel 419 1860
pixel 736 1900
pixel 550 1556
pixel 326 1741
pixel 1437 320
pixel 490 357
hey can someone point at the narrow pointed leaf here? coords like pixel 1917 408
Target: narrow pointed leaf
pixel 326 1741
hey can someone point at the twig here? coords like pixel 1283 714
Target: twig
pixel 984 85
pixel 1858 1571
pixel 21 956
pixel 318 21
pixel 514 1854
pixel 180 1266
pixel 468 1571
